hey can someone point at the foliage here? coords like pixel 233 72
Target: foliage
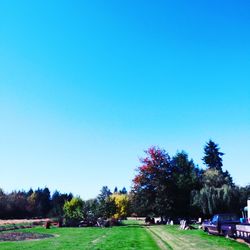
pixel 244 195
pixel 121 202
pixel 41 202
pixel 213 200
pixel 175 187
pixel 90 209
pixel 186 177
pixel 164 186
pixel 218 192
pixel 38 203
pixel 104 193
pixel 153 186
pixel 57 203
pixel 73 211
pixel 212 158
pixel 106 206
pixel 123 191
pixel 214 178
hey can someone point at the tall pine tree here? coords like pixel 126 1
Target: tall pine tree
pixel 212 158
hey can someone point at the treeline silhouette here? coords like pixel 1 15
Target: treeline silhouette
pixel 32 204
pixel 163 186
pixel 176 187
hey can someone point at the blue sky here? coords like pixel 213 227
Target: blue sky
pixel 86 86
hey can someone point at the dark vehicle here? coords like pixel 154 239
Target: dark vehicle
pixel 222 224
pixel 243 231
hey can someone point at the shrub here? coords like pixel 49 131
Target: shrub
pixel 73 212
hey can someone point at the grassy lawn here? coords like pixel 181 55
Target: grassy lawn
pixel 130 236
pixel 171 237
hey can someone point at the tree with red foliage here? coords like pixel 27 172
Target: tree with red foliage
pixel 153 185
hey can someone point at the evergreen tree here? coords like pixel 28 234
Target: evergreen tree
pixel 212 158
pixel 106 206
pixel 123 191
pixel 186 177
pixel 105 193
pixel 57 202
pixel 218 193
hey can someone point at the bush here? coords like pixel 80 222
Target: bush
pixel 73 212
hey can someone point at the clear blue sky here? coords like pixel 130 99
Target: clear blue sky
pixel 86 86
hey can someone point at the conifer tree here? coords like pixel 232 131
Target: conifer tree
pixel 212 158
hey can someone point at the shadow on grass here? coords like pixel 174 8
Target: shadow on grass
pixel 132 225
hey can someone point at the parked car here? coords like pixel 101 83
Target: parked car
pixel 222 224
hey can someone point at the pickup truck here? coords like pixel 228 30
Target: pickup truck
pixel 222 224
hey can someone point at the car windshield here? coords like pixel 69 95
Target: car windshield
pixel 215 219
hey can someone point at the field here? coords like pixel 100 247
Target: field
pixel 131 235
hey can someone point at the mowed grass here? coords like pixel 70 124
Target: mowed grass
pixel 131 235
pixel 174 238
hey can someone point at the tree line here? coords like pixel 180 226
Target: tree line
pixel 106 205
pixel 32 204
pixel 40 204
pixel 165 186
pixel 176 187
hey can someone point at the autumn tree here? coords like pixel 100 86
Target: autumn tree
pixel 153 185
pixel 121 202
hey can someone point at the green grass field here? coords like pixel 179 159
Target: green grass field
pixel 171 237
pixel 130 236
